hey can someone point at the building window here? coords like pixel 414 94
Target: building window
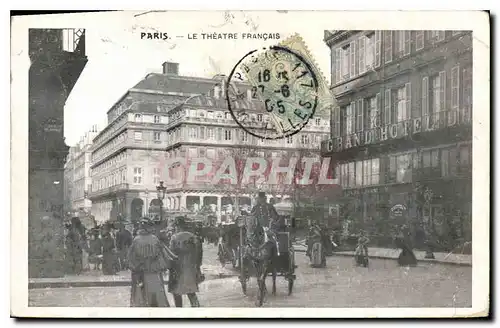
pixel 156 175
pixel 438 88
pixel 304 139
pixel 430 158
pixel 156 119
pixel 138 117
pixel 192 152
pixel 227 135
pixel 193 132
pixel 157 136
pixel 349 119
pixel 336 122
pixel 227 115
pixel 259 117
pixel 202 132
pixel 137 175
pixel 402 104
pixel 369 50
pixel 210 133
pixel 404 172
pixel 467 94
pixel 137 135
pixel 388 46
pixel 372 112
pixel 419 39
pixel 244 136
pixel 346 53
pixel 455 87
pixel 403 44
pixel 124 176
pixel 219 134
pixel 359 116
pixel 318 121
pixel 437 36
pixel 289 140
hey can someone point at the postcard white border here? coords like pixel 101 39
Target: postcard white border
pixel 478 22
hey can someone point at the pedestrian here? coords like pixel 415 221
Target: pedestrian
pixel 185 275
pixel 148 259
pixel 108 251
pixel 123 242
pixel 406 257
pixel 74 246
pixel 95 249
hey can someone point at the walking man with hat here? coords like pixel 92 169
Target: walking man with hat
pixel 148 260
pixel 185 275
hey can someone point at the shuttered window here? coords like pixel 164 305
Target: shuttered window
pixel 352 58
pixel 455 87
pixel 388 46
pixel 425 96
pixel 419 40
pixel 362 54
pixel 387 107
pixel 359 116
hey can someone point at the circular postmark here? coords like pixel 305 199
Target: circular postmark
pixel 282 87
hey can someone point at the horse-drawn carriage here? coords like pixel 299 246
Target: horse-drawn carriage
pixel 229 244
pixel 272 255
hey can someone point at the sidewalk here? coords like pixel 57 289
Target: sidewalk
pixel 390 253
pixel 97 279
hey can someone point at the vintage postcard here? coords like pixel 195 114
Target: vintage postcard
pixel 250 164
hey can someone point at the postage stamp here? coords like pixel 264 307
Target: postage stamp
pixel 250 164
pixel 286 82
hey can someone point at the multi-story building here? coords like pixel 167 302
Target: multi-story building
pixel 57 59
pixel 77 174
pixel 203 127
pixel 164 114
pixel 402 135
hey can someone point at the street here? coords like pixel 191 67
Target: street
pixel 341 284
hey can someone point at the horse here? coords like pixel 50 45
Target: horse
pixel 260 254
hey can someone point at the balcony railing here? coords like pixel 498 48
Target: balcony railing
pixel 110 190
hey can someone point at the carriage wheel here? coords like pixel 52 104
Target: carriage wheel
pixel 234 259
pixel 290 285
pixel 243 282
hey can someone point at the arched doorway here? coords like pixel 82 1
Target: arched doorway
pixel 136 208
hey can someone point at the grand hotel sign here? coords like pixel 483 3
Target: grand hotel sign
pixel 395 131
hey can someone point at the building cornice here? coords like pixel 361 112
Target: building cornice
pixel 334 37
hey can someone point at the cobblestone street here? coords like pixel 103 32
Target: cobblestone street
pixel 341 284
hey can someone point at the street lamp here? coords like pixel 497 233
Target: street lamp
pixel 160 192
pixel 428 194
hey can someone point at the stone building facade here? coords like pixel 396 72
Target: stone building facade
pixel 57 59
pixel 163 116
pixel 77 174
pixel 402 135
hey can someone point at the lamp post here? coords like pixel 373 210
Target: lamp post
pixel 428 194
pixel 160 192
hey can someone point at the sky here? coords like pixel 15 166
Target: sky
pixel 118 58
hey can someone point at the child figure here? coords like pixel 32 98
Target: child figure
pixel 361 254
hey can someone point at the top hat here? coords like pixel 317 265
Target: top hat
pixel 261 194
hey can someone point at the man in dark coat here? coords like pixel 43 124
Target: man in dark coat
pixel 185 274
pixel 267 216
pixel 148 260
pixel 123 241
pixel 108 251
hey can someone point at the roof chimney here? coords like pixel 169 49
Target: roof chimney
pixel 170 68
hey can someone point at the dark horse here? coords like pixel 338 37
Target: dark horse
pixel 259 255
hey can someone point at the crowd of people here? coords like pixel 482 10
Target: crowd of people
pixel 153 249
